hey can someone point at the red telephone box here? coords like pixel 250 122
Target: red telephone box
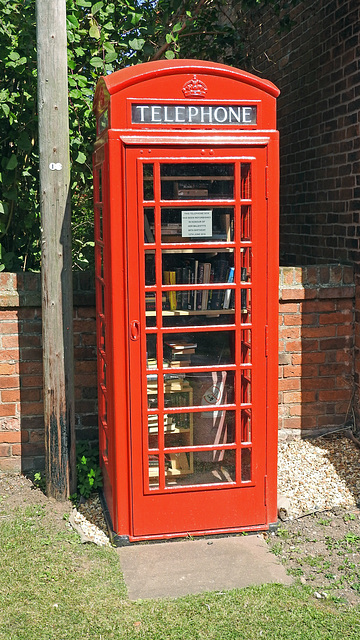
pixel 186 224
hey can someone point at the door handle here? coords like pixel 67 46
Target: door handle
pixel 135 330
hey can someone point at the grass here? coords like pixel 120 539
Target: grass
pixel 54 588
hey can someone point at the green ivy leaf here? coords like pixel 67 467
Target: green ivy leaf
pixel 169 55
pixel 137 44
pixel 96 62
pixel 12 163
pixel 111 56
pixel 81 157
pixel 94 32
pixel 96 7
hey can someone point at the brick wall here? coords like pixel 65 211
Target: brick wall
pixel 21 407
pixel 316 67
pixel 316 324
pixel 316 340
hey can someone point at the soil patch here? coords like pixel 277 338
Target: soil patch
pixel 323 551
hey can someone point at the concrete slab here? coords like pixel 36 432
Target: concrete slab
pixel 173 569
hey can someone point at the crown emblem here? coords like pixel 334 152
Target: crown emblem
pixel 194 88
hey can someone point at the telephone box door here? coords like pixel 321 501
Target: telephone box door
pixel 197 269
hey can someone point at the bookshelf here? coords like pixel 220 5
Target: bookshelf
pixel 178 430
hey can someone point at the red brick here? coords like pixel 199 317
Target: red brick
pixel 9 382
pixel 10 436
pixel 32 381
pixel 16 449
pixel 32 409
pixel 36 449
pixel 294 294
pixel 317 306
pixel 8 369
pixel 10 464
pixel 293 345
pixel 9 327
pixel 292 371
pixel 10 395
pixel 8 314
pixel 337 317
pixel 292 423
pixel 289 307
pixel 85 312
pixel 31 367
pixel 4 450
pixel 10 342
pixel 289 332
pixel 313 357
pixel 345 330
pixel 8 410
pixel 292 396
pixel 310 371
pixel 333 395
pixel 318 332
pixel 37 435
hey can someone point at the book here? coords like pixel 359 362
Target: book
pixel 205 293
pixel 170 278
pixel 220 269
pixel 227 296
pixel 244 294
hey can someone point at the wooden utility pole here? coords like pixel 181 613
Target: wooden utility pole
pixel 57 299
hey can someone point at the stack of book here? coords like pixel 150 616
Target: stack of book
pixel 178 353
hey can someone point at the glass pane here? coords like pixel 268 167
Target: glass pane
pixel 149 268
pixel 246 305
pixel 246 223
pixel 199 389
pixel 211 224
pixel 246 346
pixel 177 392
pixel 197 181
pixel 213 427
pixel 100 185
pixel 190 469
pixel 149 226
pixel 148 177
pixel 154 471
pixel 151 358
pixel 245 181
pixel 201 348
pixel 245 465
pixel 101 229
pixel 181 318
pixel 153 431
pixel 198 268
pixel 152 391
pixel 102 345
pixel 246 386
pixel 246 425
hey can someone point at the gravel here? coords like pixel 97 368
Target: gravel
pixel 318 474
pixel 313 475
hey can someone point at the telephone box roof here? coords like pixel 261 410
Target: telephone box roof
pixel 128 76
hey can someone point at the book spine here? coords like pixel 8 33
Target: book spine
pixel 228 292
pixel 244 294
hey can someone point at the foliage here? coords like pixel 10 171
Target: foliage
pixel 40 481
pixel 102 36
pixel 88 470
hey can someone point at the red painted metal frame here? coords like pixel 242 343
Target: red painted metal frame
pixel 118 155
pixel 199 507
